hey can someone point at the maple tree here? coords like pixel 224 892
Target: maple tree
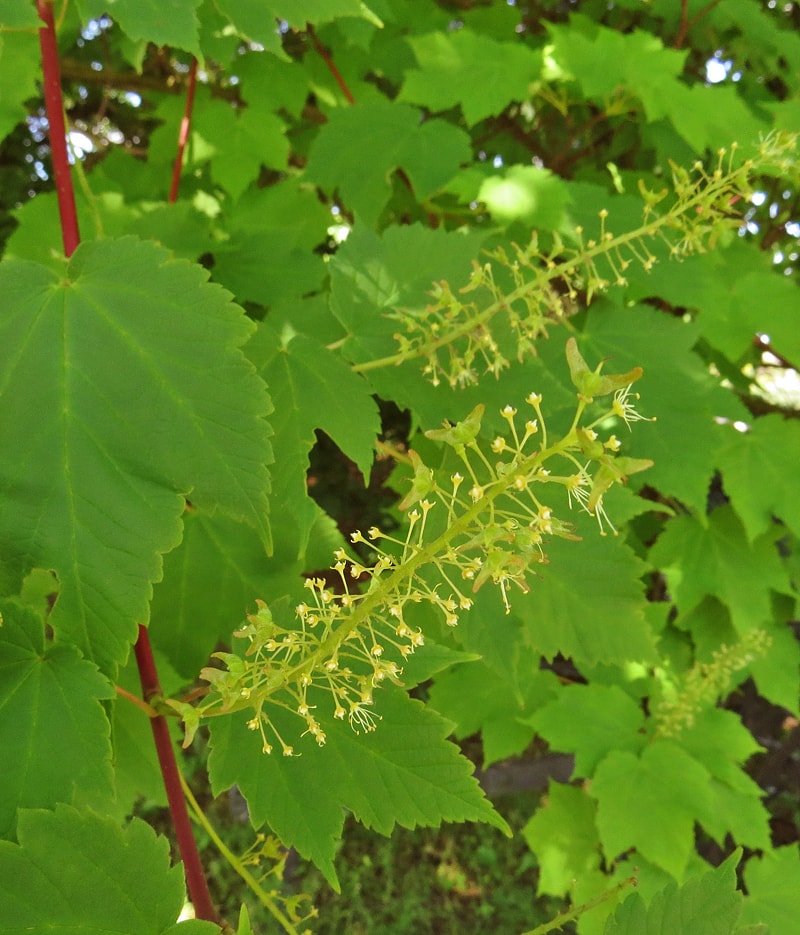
pixel 534 267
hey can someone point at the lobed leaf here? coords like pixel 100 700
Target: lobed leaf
pixel 404 773
pixel 52 718
pixel 126 392
pixel 75 872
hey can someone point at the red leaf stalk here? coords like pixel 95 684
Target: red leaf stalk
pixel 193 868
pixel 183 135
pixel 54 106
pixel 325 55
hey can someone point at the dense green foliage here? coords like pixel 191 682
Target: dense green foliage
pixel 451 236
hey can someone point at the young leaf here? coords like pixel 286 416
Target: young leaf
pixel 74 871
pixel 129 393
pixel 563 836
pixel 466 68
pixel 591 721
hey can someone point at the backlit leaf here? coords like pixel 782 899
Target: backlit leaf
pixel 651 803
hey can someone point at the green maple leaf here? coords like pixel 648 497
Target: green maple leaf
pixel 590 721
pixel 405 772
pixel 52 720
pixel 478 699
pixel 587 603
pixel 313 388
pixel 78 872
pixel 563 836
pixel 482 75
pixel 146 20
pixel 760 484
pixel 651 803
pixel 271 230
pixel 703 905
pixel 720 741
pixel 129 393
pixel 773 887
pixel 717 559
pixel 360 146
pixel 238 144
pixel 603 59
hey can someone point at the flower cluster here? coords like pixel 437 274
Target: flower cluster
pixel 458 334
pixel 487 521
pixel 705 683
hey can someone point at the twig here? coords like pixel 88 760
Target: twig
pixel 686 23
pixel 183 134
pixel 330 63
pixel 193 868
pixel 563 917
pixel 143 705
pixel 264 897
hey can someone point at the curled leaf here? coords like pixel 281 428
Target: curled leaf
pixel 422 483
pixel 462 433
pixel 591 383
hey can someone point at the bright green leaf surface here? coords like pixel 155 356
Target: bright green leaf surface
pixel 778 673
pixel 773 888
pixel 587 603
pixel 148 20
pixel 563 836
pixel 651 803
pixel 717 559
pixel 19 66
pixel 676 389
pixel 272 229
pixel 705 905
pixel 718 739
pixel 17 15
pixel 359 148
pixel 528 194
pixel 317 390
pixel 74 872
pixel 759 472
pixel 216 574
pixel 404 773
pixel 478 699
pixel 128 367
pixel 590 721
pixel 603 60
pixel 239 143
pixel 479 73
pixel 52 720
